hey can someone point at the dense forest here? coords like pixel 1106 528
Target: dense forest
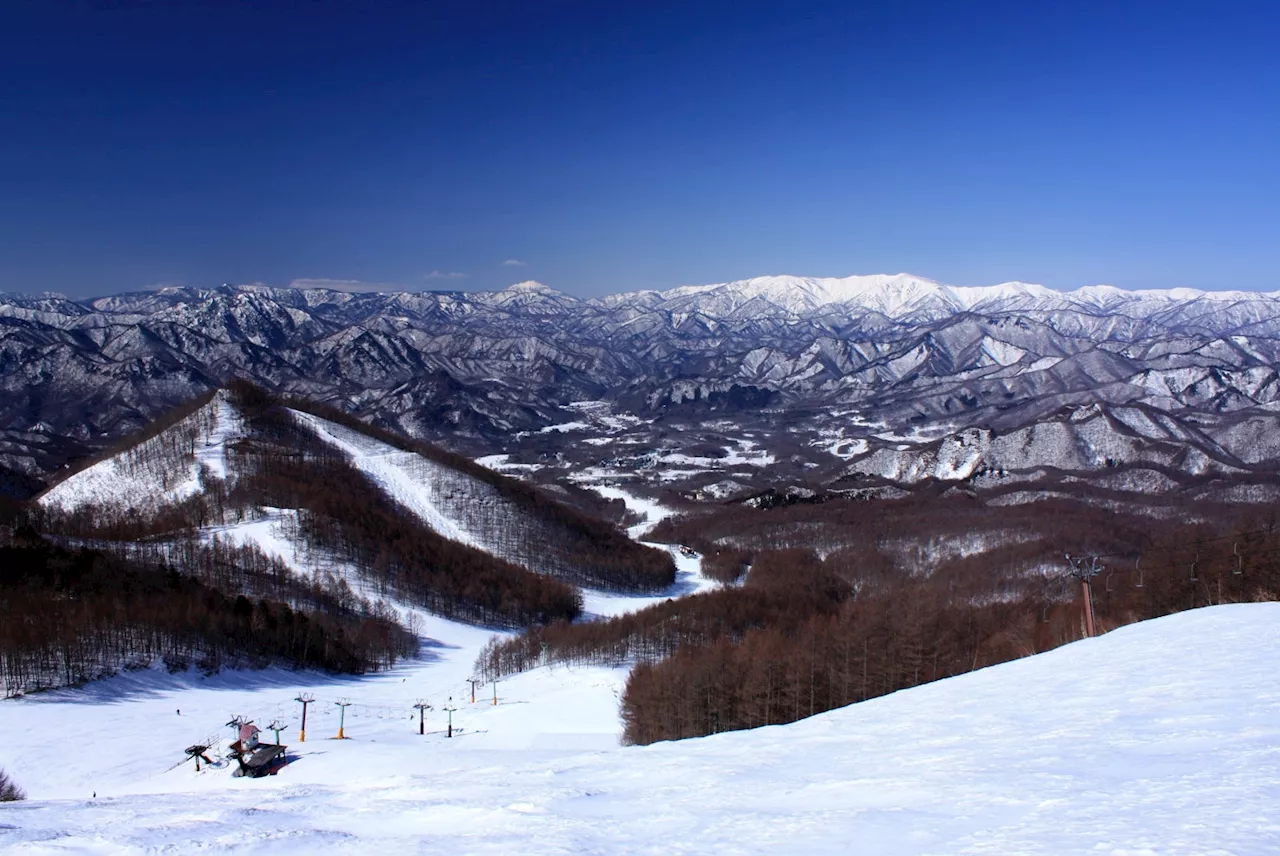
pixel 940 531
pixel 804 633
pixel 71 615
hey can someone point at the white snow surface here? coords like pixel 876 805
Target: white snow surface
pixel 1158 738
pixel 651 511
pixel 160 470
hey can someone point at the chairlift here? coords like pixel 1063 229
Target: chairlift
pixel 1138 568
pixel 1194 563
pixel 1239 560
pixel 1110 574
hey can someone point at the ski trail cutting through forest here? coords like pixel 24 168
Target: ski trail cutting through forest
pixel 651 511
pixel 392 470
pixel 166 468
pixel 689 577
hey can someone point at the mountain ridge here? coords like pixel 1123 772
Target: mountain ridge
pixel 800 365
pixel 832 290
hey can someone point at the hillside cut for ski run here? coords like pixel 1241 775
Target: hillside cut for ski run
pixel 216 448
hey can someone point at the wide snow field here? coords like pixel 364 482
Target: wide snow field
pixel 1159 738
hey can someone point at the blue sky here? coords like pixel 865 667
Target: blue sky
pixel 613 146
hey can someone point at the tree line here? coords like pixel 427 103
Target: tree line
pixel 783 590
pixel 72 615
pixel 915 632
pixel 806 634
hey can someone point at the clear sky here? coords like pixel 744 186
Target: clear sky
pixel 608 146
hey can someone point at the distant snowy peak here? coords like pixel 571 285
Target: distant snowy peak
pixel 905 295
pixel 889 294
pixel 897 296
pixel 530 286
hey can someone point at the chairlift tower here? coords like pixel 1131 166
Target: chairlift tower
pixel 304 699
pixel 422 707
pixel 450 709
pixel 277 726
pixel 235 723
pixel 342 704
pixel 1085 574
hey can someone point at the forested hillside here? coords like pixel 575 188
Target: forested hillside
pixel 71 615
pixel 342 512
pixel 219 460
pixel 516 520
pixel 807 633
pixel 195 508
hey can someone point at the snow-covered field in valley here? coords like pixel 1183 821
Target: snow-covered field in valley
pixel 1159 738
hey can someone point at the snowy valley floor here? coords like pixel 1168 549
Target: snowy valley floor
pixel 1162 737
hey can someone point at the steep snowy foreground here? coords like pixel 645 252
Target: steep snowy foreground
pixel 1162 737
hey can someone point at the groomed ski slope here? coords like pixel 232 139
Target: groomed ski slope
pixel 408 478
pixel 1162 737
pixel 689 577
pixel 432 493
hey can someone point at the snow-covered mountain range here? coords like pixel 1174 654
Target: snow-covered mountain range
pixel 880 377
